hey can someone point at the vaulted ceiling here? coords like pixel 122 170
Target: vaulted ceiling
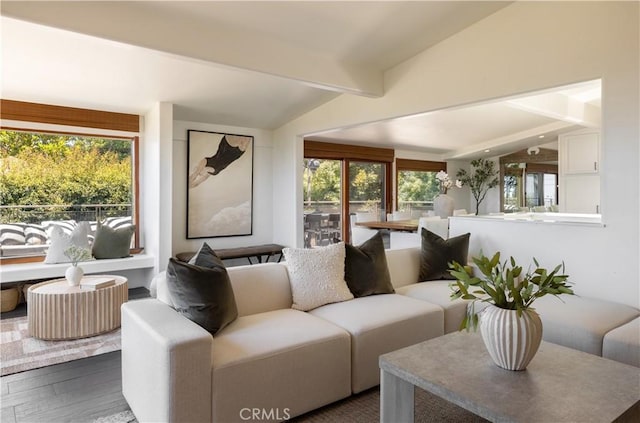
pixel 254 64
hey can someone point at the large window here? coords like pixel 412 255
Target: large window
pixel 339 181
pixel 50 178
pixel 416 185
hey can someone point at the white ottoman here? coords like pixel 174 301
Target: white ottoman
pixel 623 343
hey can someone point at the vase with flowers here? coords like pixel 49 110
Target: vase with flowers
pixel 443 204
pixel 74 273
pixel 510 327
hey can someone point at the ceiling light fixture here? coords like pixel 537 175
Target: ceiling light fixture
pixel 540 136
pixel 487 150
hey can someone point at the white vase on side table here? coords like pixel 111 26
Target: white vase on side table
pixel 74 275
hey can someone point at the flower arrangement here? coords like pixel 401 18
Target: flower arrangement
pixel 505 286
pixel 77 254
pixel 445 182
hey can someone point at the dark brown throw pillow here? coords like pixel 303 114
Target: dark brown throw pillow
pixel 201 294
pixel 437 253
pixel 366 270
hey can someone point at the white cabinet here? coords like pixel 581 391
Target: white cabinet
pixel 579 167
pixel 582 152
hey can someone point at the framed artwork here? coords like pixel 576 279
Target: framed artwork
pixel 219 184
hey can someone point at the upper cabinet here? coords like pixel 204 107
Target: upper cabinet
pixel 579 167
pixel 581 152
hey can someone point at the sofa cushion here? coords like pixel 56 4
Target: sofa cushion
pixel 260 287
pixel 60 241
pixel 201 294
pixel 279 360
pixel 404 266
pixel 12 234
pixel 438 292
pixel 579 322
pixel 438 252
pixel 110 243
pixel 379 324
pixel 366 271
pixel 317 276
pixel 35 234
pixel 623 343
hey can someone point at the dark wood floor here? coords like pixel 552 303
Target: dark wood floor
pixel 76 391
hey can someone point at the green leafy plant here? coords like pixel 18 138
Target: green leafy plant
pixel 77 254
pixel 504 285
pixel 481 180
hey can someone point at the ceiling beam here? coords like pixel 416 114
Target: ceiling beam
pixel 560 106
pixel 511 142
pixel 138 24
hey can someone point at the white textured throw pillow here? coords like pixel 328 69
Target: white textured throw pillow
pixel 60 241
pixel 317 276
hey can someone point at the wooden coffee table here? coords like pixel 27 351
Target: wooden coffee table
pixel 559 385
pixel 57 310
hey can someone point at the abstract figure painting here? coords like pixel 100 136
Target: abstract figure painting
pixel 220 184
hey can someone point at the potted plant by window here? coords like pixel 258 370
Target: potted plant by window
pixel 510 327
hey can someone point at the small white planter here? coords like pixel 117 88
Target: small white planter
pixel 74 275
pixel 512 341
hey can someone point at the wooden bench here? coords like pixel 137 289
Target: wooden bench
pixel 256 251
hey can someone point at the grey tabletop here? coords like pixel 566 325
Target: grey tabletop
pixel 559 385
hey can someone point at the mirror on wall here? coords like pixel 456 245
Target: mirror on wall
pixel 529 180
pixel 558 170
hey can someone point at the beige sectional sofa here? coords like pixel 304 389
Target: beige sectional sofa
pixel 279 362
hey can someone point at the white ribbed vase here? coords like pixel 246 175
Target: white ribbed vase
pixel 512 341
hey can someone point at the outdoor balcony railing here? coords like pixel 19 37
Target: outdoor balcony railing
pixel 77 212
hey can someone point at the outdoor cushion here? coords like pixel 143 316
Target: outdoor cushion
pixel 12 234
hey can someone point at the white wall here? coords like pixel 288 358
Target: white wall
pixel 579 246
pixel 262 188
pixel 524 47
pixel 155 183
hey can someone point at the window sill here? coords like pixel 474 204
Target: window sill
pixel 33 271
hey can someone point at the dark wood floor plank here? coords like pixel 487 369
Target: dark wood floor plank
pixel 74 364
pixel 12 400
pixel 76 391
pixel 88 381
pixel 65 373
pixel 48 409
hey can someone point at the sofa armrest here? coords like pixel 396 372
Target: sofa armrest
pixel 166 364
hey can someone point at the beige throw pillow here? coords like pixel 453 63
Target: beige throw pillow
pixel 316 276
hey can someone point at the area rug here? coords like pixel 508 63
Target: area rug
pixel 20 352
pixel 362 408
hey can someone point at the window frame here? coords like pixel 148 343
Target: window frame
pixel 43 118
pixel 416 166
pixel 347 153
